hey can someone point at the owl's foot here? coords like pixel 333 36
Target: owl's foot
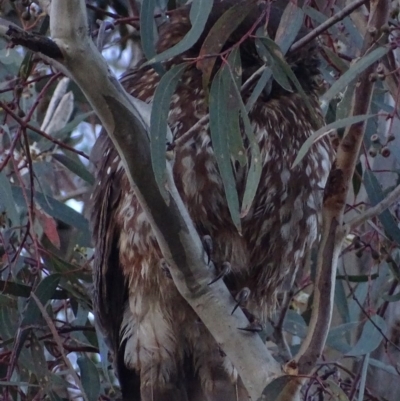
pixel 253 327
pixel 241 297
pixel 226 268
pixel 208 247
pixel 165 268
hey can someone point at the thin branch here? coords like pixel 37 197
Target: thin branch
pixel 327 24
pixel 373 211
pixel 57 339
pixel 36 43
pixel 337 188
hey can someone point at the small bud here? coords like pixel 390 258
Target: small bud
pixel 391 138
pixel 359 253
pixel 372 152
pixel 372 31
pixel 385 151
pixel 375 138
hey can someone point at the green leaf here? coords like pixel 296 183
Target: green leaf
pixel 370 337
pixel 357 178
pixel 199 13
pixel 75 166
pixel 89 378
pixel 391 298
pixel 335 392
pixel 289 26
pixel 41 371
pixel 295 324
pixel 338 337
pixel 383 366
pixel 220 120
pixel 261 84
pixel 255 169
pixel 7 202
pixel 274 389
pixel 219 34
pixel 335 125
pixel 266 48
pixel 342 302
pixel 44 292
pixel 375 195
pixel 231 80
pixel 159 122
pixel 281 63
pixel 59 211
pixel 147 30
pixel 353 73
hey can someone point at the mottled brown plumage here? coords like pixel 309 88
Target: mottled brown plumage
pixel 162 351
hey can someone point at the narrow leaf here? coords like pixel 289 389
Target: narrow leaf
pixel 370 337
pixel 59 211
pixel 335 125
pixel 159 122
pixel 219 135
pixel 44 292
pixel 289 26
pixel 75 166
pixel 7 202
pixel 375 195
pixel 353 73
pixel 89 378
pixel 219 34
pixel 277 72
pixel 199 13
pixel 147 30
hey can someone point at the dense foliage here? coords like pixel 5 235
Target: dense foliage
pixel 49 345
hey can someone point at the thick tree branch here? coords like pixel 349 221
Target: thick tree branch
pixel 126 121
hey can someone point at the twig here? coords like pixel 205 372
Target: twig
pixel 59 343
pixel 327 24
pixel 373 211
pixel 36 43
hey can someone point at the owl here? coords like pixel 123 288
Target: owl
pixel 161 350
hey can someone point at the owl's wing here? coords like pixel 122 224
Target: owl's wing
pixel 110 288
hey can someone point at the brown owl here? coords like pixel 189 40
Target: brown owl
pixel 162 352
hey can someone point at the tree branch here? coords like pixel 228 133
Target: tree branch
pixel 126 121
pixel 36 43
pixel 337 187
pixel 327 24
pixel 373 211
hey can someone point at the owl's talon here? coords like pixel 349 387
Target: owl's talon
pixel 225 270
pixel 241 297
pixel 253 327
pixel 208 247
pixel 165 268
